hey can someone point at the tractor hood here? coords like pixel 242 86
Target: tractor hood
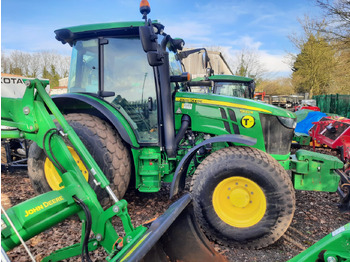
pixel 234 102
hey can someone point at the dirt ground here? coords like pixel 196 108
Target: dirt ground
pixel 316 215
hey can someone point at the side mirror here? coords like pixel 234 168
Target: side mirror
pixel 148 38
pixel 177 44
pixel 251 88
pixel 155 58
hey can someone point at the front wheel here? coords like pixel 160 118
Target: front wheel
pixel 243 197
pixel 105 146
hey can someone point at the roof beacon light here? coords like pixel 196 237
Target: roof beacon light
pixel 145 9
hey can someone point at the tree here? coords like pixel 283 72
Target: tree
pixel 46 73
pixel 35 65
pixel 54 77
pixel 44 64
pixel 337 19
pixel 5 63
pixel 341 77
pixel 314 66
pixel 247 63
pixel 279 86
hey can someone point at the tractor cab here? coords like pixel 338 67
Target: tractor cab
pixel 108 60
pixel 220 84
pixel 226 85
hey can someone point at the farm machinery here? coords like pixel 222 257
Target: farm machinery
pixel 172 236
pixel 335 134
pixel 333 247
pixel 124 103
pixel 15 150
pixel 228 85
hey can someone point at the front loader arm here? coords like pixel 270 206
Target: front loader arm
pixel 31 120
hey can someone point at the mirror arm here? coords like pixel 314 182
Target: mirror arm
pixel 165 41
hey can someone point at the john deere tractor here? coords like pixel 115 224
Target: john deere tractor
pixel 124 103
pixel 228 85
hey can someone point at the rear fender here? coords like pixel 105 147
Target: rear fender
pixel 75 103
pixel 178 182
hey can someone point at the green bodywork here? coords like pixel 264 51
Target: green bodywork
pixel 302 139
pixel 315 171
pixel 334 247
pixel 210 114
pixel 105 26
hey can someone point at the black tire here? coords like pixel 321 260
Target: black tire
pixel 105 146
pixel 232 163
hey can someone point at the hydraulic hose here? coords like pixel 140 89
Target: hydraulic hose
pixel 54 160
pixel 85 248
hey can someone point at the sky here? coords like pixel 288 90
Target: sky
pixel 259 25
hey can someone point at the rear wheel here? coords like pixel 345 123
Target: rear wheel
pixel 105 146
pixel 243 197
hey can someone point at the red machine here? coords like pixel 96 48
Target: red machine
pixel 335 133
pixel 259 95
pixel 309 104
pixel 313 108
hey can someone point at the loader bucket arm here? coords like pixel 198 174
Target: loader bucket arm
pixel 174 236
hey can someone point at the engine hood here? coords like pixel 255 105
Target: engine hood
pixel 234 102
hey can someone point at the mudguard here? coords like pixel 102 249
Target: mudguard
pixel 178 182
pixel 174 236
pixel 61 102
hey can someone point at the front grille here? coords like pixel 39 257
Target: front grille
pixel 277 137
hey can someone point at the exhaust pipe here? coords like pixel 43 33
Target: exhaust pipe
pixel 185 122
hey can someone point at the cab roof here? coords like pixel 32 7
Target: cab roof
pixel 228 78
pixel 127 29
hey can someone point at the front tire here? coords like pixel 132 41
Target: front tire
pixel 243 197
pixel 104 144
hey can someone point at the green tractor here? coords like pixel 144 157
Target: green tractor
pixel 228 85
pixel 124 103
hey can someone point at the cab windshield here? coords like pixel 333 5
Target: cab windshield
pixel 235 89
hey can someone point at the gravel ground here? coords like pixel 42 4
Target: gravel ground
pixel 316 215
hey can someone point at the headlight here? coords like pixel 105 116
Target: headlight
pixel 288 122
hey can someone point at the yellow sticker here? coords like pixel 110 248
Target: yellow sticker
pixel 248 121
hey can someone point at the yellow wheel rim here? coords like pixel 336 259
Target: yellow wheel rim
pixel 239 202
pixel 53 178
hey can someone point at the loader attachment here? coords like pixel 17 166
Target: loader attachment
pixel 333 247
pixel 174 236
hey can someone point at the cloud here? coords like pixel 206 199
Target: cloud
pixel 274 63
pixel 246 42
